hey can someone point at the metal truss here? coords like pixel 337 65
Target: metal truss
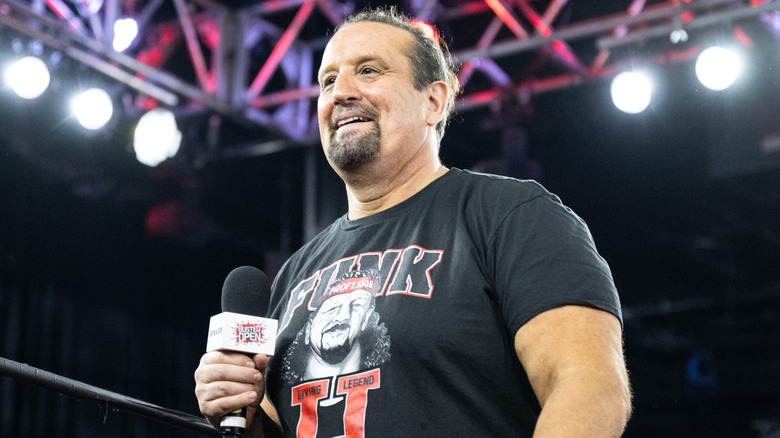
pixel 256 65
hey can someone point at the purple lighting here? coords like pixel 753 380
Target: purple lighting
pixel 772 21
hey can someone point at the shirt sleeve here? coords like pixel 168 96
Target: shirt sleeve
pixel 542 256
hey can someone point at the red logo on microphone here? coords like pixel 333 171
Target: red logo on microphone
pixel 249 334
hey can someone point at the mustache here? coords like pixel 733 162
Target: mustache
pixel 337 327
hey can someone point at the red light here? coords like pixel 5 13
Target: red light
pixel 428 30
pixel 539 25
pixel 146 103
pixel 686 17
pixel 506 17
pixel 168 220
pixel 743 39
pixel 153 57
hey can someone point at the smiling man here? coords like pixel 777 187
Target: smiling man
pixel 379 125
pixel 343 335
pixel 334 328
pixel 504 319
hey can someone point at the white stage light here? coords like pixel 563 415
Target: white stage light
pixel 678 36
pixel 156 138
pixel 631 92
pixel 92 108
pixel 28 77
pixel 717 68
pixel 125 31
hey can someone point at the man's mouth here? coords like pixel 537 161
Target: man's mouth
pixel 337 328
pixel 345 122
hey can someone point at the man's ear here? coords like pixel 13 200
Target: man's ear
pixel 437 102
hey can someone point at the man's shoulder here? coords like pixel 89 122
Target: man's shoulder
pixel 498 189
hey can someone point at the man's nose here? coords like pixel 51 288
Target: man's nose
pixel 342 314
pixel 345 89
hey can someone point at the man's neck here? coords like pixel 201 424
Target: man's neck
pixel 371 194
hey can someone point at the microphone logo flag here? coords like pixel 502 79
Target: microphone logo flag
pixel 242 333
pixel 248 333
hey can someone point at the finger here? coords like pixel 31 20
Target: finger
pixel 219 407
pixel 227 373
pixel 226 357
pixel 260 361
pixel 208 392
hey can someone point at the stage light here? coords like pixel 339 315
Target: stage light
pixel 631 92
pixel 717 68
pixel 92 108
pixel 125 31
pixel 678 36
pixel 156 138
pixel 28 77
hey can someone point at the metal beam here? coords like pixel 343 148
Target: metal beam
pixel 79 38
pixel 280 49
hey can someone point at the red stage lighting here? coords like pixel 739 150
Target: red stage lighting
pixel 429 31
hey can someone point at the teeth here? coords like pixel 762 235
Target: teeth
pixel 350 120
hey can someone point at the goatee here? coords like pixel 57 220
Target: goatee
pixel 337 354
pixel 353 150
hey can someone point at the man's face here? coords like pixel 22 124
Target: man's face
pixel 338 323
pixel 368 107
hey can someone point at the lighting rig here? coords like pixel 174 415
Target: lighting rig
pixel 253 64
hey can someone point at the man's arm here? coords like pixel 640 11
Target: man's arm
pixel 573 356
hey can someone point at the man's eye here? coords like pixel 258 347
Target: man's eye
pixel 357 306
pixel 328 81
pixel 368 70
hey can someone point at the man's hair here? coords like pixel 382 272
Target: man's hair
pixel 429 58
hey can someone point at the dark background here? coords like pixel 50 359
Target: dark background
pixel 109 270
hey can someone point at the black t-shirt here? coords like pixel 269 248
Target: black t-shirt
pixel 402 323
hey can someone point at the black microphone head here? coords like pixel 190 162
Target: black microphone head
pixel 246 290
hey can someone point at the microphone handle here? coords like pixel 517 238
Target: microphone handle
pixel 232 425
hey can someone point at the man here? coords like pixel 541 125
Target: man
pixel 504 320
pixel 343 335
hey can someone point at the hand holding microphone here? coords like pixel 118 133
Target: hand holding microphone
pixel 227 379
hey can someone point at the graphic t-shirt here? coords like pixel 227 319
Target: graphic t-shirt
pixel 402 323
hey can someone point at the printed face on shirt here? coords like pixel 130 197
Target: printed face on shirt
pixel 368 108
pixel 337 324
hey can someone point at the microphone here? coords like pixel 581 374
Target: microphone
pixel 242 327
pixel 246 290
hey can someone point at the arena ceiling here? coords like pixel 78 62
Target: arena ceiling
pixel 253 64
